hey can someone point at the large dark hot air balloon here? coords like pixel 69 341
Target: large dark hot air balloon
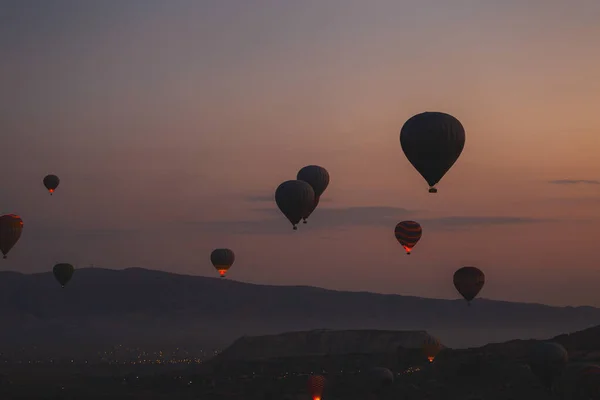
pixel 408 234
pixel 222 260
pixel 589 382
pixel 318 178
pixel 469 281
pixel 63 273
pixel 51 182
pixel 316 385
pixel 294 199
pixel 432 142
pixel 379 379
pixel 547 361
pixel 11 226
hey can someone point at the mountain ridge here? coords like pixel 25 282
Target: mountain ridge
pixel 137 304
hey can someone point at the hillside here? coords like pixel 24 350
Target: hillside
pixel 497 371
pixel 137 305
pixel 322 342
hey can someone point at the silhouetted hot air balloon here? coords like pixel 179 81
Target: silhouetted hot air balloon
pixel 432 142
pixel 408 234
pixel 294 199
pixel 379 378
pixel 431 347
pixel 63 273
pixel 547 361
pixel 51 182
pixel 222 260
pixel 11 226
pixel 589 382
pixel 469 281
pixel 318 178
pixel 316 384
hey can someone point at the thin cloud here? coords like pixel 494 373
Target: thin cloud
pixel 271 199
pixel 458 222
pixel 574 182
pixel 375 216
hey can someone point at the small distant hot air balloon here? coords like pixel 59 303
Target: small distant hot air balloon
pixel 51 182
pixel 431 347
pixel 11 226
pixel 469 281
pixel 432 142
pixel 294 199
pixel 547 361
pixel 408 233
pixel 222 260
pixel 318 178
pixel 63 273
pixel 316 384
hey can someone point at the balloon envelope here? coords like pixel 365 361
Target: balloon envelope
pixel 431 348
pixel 432 142
pixel 222 260
pixel 11 226
pixel 469 281
pixel 547 361
pixel 316 384
pixel 408 234
pixel 379 378
pixel 63 273
pixel 294 199
pixel 51 182
pixel 318 178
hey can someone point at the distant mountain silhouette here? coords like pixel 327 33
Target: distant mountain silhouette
pixel 138 306
pixel 323 342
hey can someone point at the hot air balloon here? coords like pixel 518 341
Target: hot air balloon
pixel 379 378
pixel 222 260
pixel 408 234
pixel 11 226
pixel 547 361
pixel 316 384
pixel 63 273
pixel 589 381
pixel 294 199
pixel 432 142
pixel 431 347
pixel 318 178
pixel 469 281
pixel 51 182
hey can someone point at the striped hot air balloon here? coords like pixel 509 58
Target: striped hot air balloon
pixel 408 234
pixel 316 384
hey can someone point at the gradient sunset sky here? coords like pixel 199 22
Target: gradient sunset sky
pixel 171 123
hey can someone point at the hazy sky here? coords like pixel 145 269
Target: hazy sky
pixel 171 123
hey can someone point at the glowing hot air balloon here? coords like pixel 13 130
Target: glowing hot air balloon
pixel 11 226
pixel 316 384
pixel 408 234
pixel 51 182
pixel 222 260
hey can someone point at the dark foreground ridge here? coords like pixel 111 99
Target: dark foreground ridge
pixel 322 343
pixel 495 371
pixel 138 306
